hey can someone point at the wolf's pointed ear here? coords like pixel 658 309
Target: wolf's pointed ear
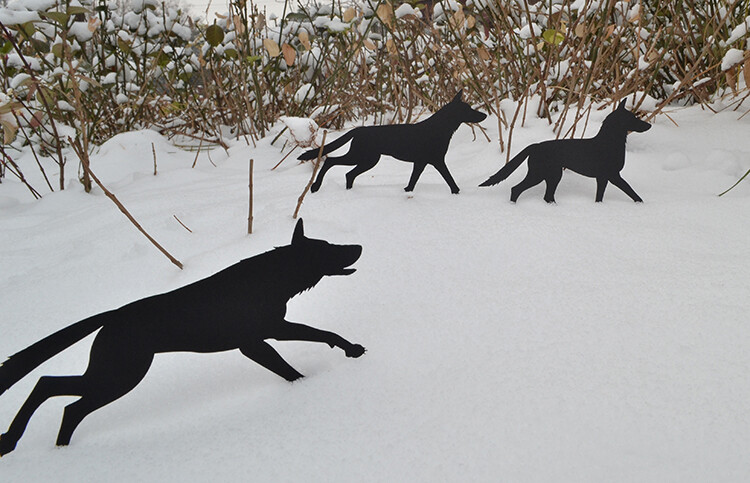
pixel 299 232
pixel 621 107
pixel 458 96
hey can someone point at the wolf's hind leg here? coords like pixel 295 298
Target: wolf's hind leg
pixel 552 180
pixel 416 172
pixel 265 355
pixel 96 395
pixel 366 163
pixel 624 186
pixel 46 388
pixel 601 185
pixel 115 368
pixel 74 414
pixel 529 181
pixel 329 163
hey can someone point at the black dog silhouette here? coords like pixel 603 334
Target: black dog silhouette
pixel 236 308
pixel 423 143
pixel 601 157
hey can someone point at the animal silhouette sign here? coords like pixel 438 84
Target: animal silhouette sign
pixel 237 308
pixel 601 157
pixel 423 143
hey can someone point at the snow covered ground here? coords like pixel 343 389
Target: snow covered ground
pixel 271 7
pixel 506 342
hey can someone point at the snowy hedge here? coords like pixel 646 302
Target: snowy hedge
pixel 82 71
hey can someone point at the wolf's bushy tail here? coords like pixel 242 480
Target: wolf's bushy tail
pixel 21 363
pixel 313 153
pixel 509 167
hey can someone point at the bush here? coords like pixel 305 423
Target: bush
pixel 81 72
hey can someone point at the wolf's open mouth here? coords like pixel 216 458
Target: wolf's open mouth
pixel 354 252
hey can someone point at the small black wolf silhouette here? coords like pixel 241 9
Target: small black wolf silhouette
pixel 601 157
pixel 236 308
pixel 423 143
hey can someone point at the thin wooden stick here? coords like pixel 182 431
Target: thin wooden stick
pixel 309 183
pixel 735 184
pixel 17 173
pixel 153 150
pixel 125 212
pixel 513 123
pixel 197 153
pixel 250 206
pixel 208 155
pixel 183 224
pixel 111 196
pixel 285 156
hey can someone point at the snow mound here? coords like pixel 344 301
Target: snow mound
pixel 302 131
pixel 732 58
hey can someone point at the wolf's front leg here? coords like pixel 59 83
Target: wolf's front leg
pixel 265 355
pixel 293 331
pixel 625 187
pixel 443 170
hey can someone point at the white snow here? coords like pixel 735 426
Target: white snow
pixel 81 31
pixel 19 79
pixel 182 31
pixel 526 31
pixel 65 106
pixel 15 60
pixel 590 6
pixel 302 131
pixel 40 5
pixel 406 9
pixel 303 92
pixel 739 31
pixel 10 17
pixel 579 341
pixel 110 78
pixel 732 58
pixel 332 24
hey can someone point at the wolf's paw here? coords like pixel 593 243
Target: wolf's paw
pixel 295 378
pixel 409 189
pixel 6 445
pixel 355 350
pixel 314 188
pixel 455 191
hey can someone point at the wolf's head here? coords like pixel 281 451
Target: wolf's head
pixel 463 112
pixel 318 258
pixel 625 120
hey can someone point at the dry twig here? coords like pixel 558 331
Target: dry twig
pixel 312 178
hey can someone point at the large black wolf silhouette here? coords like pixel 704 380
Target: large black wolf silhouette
pixel 236 308
pixel 601 157
pixel 423 143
